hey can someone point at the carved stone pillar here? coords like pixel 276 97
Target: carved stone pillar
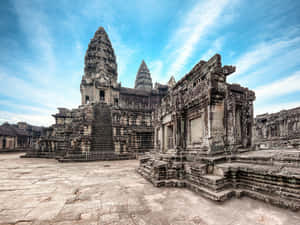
pixel 177 126
pixel 183 131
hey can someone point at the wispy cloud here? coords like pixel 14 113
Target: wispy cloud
pixel 34 119
pixel 275 107
pixel 197 23
pixel 43 46
pixel 27 91
pixel 39 38
pixel 280 87
pixel 124 53
pixel 278 66
pixel 215 48
pixel 262 52
pixel 156 68
pixel 28 108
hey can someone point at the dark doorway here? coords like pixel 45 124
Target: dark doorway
pixel 4 143
pixel 102 95
pixel 145 140
pixel 87 99
pixel 116 101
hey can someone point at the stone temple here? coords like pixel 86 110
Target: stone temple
pixel 198 133
pixel 113 122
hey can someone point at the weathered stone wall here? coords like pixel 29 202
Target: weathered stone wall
pixel 278 130
pixel 203 100
pixel 70 134
pixel 18 137
pixel 132 119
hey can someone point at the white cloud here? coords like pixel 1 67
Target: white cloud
pixel 215 48
pixel 155 68
pixel 276 66
pixel 280 87
pixel 34 24
pixel 23 90
pixel 35 109
pixel 198 22
pixel 33 119
pixel 262 52
pixel 123 52
pixel 275 107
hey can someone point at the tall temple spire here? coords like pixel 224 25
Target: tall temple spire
pixel 100 58
pixel 143 78
pixel 100 69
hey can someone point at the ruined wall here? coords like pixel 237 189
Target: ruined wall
pixel 18 137
pixel 8 143
pixel 205 114
pixel 132 119
pixel 239 116
pixel 71 133
pixel 278 130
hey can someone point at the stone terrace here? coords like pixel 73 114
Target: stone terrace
pixel 43 191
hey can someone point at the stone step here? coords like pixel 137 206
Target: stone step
pixel 102 129
pixel 270 189
pixel 286 203
pixel 208 193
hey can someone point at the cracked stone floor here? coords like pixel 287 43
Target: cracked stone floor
pixel 43 191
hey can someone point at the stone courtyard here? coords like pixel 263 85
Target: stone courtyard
pixel 43 191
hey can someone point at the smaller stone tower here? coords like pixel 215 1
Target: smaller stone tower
pixel 143 78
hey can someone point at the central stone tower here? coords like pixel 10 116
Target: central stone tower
pixel 100 71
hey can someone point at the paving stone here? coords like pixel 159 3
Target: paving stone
pixel 146 204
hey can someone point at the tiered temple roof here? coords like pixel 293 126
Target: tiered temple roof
pixel 143 78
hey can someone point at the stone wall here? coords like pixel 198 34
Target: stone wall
pixel 18 137
pixel 203 100
pixel 278 130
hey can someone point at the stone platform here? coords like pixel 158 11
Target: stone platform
pixel 269 175
pixel 91 156
pixel 45 192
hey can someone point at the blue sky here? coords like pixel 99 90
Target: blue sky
pixel 43 43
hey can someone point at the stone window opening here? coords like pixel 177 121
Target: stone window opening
pixel 102 95
pixel 134 121
pixel 87 99
pixel 116 101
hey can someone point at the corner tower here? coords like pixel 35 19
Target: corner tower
pixel 100 70
pixel 143 78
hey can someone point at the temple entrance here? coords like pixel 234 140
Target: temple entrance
pixel 102 95
pixel 145 140
pixel 87 99
pixel 4 143
pixel 168 137
pixel 238 125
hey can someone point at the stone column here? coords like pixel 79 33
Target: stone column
pixel 183 131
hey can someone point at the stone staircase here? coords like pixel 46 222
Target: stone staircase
pixel 173 172
pixel 274 179
pixel 102 140
pixel 275 184
pixel 102 147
